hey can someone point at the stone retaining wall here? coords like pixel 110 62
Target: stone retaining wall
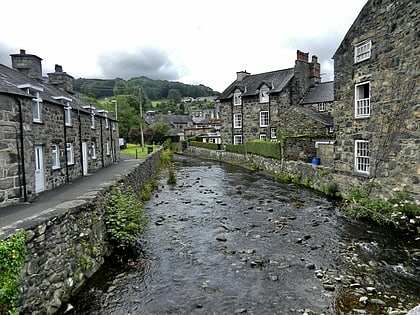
pixel 67 244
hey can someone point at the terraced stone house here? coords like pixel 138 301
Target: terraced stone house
pixel 48 136
pixel 377 111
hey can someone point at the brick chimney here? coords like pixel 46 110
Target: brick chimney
pixel 300 55
pixel 61 79
pixel 241 75
pixel 29 65
pixel 315 69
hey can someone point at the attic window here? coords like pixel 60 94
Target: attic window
pixel 362 51
pixel 264 96
pixel 237 100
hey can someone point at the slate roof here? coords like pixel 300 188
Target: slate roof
pixel 249 85
pixel 10 79
pixel 322 118
pixel 322 92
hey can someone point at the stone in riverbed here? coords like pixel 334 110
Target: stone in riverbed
pixel 221 238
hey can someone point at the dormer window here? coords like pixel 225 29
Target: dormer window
pixel 264 96
pixel 34 90
pixel 67 108
pixel 362 51
pixel 237 100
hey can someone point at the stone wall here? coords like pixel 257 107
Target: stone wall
pixel 67 244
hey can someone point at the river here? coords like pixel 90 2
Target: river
pixel 225 240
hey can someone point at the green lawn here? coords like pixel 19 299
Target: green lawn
pixel 132 148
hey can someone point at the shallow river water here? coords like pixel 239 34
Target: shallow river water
pixel 224 240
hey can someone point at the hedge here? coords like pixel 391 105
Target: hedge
pixel 264 148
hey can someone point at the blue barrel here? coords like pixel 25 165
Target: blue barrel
pixel 315 161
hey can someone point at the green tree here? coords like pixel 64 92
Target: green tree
pixel 160 131
pixel 174 96
pixel 120 87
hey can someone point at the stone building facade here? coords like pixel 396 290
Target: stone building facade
pixel 48 136
pixel 376 89
pixel 251 106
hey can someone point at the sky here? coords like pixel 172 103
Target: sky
pixel 190 41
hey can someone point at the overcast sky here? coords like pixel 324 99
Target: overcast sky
pixel 192 41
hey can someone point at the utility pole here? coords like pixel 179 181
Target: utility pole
pixel 141 121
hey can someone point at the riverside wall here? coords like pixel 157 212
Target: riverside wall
pixel 68 243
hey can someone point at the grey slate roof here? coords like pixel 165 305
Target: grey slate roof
pixel 276 81
pixel 10 79
pixel 322 118
pixel 322 92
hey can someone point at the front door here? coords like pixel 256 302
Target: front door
pixel 84 158
pixel 39 169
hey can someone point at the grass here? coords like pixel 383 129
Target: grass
pixel 136 150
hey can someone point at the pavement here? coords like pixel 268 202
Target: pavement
pixel 67 192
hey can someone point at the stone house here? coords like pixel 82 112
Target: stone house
pixel 48 136
pixel 250 107
pixel 376 110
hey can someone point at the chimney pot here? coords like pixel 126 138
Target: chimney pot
pixel 300 55
pixel 22 52
pixel 58 68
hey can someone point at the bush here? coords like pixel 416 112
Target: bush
pixel 264 148
pixel 12 258
pixel 124 217
pixel 235 148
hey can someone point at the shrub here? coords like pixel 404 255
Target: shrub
pixel 264 148
pixel 235 148
pixel 124 217
pixel 12 258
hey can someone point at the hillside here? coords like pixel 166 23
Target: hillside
pixel 154 89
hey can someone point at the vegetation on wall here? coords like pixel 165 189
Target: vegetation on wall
pixel 12 257
pixel 125 219
pixel 264 148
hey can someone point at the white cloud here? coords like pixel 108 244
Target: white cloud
pixel 191 41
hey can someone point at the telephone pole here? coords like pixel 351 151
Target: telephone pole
pixel 141 120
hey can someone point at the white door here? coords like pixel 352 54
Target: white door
pixel 84 158
pixel 39 169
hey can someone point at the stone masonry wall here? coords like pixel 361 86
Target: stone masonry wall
pixel 67 244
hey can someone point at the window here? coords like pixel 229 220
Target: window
pixel 362 51
pixel 70 153
pixel 237 100
pixel 93 151
pixel 321 107
pixel 108 149
pixel 106 121
pixel 92 120
pixel 362 160
pixel 264 96
pixel 362 100
pixel 55 156
pixel 273 133
pixel 36 107
pixel 263 136
pixel 237 120
pixel 264 119
pixel 237 139
pixel 67 115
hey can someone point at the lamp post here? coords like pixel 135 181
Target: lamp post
pixel 116 108
pixel 141 121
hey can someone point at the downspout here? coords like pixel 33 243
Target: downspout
pixel 65 144
pixel 110 136
pixel 80 145
pixel 22 151
pixel 102 146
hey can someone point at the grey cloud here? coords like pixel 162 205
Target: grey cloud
pixel 5 52
pixel 150 62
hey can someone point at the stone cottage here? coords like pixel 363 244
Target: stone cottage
pixel 377 111
pixel 47 135
pixel 251 106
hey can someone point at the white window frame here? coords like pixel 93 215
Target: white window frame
pixel 106 121
pixel 362 51
pixel 92 120
pixel 36 107
pixel 93 148
pixel 67 115
pixel 264 118
pixel 322 107
pixel 237 120
pixel 273 133
pixel 237 99
pixel 70 153
pixel 55 156
pixel 361 102
pixel 263 136
pixel 108 148
pixel 237 139
pixel 361 156
pixel 264 96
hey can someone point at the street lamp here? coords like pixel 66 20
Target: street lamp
pixel 116 108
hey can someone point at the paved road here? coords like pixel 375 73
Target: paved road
pixel 69 191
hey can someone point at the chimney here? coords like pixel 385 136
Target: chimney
pixel 29 65
pixel 61 79
pixel 315 69
pixel 302 56
pixel 241 75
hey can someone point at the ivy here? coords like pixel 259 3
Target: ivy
pixel 12 257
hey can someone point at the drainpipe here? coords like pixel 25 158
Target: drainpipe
pixel 80 145
pixel 22 151
pixel 102 145
pixel 65 144
pixel 111 140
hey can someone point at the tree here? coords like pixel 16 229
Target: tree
pixel 134 136
pixel 160 131
pixel 174 96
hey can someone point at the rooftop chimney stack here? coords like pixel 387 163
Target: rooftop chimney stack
pixel 300 55
pixel 241 75
pixel 29 65
pixel 61 79
pixel 315 69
